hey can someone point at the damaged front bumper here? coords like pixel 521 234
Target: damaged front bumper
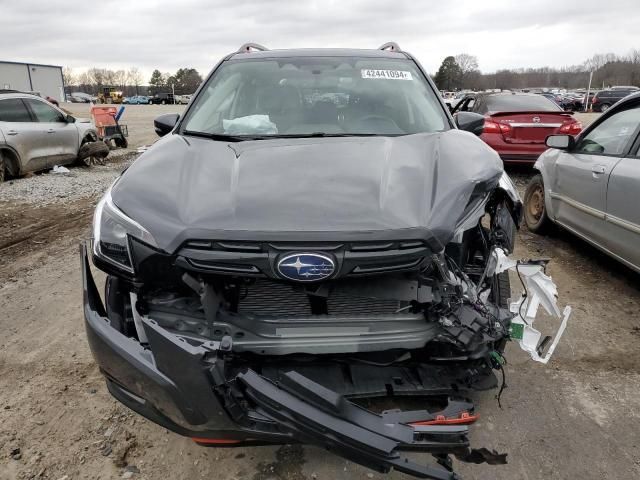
pixel 184 387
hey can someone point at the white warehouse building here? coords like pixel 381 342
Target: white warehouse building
pixel 46 80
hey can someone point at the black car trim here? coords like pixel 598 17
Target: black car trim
pixel 376 445
pixel 525 158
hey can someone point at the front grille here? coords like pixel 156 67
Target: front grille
pixel 259 259
pixel 266 297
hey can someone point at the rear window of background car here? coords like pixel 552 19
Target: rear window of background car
pixel 13 110
pixel 520 103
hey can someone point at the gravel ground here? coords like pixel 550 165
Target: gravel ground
pixel 50 188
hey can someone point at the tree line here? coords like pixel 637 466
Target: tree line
pixel 461 72
pixel 131 82
pixel 184 82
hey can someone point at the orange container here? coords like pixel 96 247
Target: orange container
pixel 104 116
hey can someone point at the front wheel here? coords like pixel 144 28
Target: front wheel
pixel 604 107
pixel 535 210
pixel 92 152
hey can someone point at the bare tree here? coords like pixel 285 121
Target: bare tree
pixel 96 77
pixel 119 78
pixel 467 63
pixel 596 62
pixel 68 77
pixel 634 56
pixel 110 78
pixel 134 78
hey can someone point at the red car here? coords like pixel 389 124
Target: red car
pixel 517 124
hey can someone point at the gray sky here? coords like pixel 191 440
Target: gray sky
pixel 196 33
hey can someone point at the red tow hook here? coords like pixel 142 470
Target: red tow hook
pixel 465 418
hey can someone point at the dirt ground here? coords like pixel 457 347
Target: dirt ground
pixel 576 418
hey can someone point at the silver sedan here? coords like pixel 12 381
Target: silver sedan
pixel 590 184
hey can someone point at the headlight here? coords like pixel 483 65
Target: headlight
pixel 111 231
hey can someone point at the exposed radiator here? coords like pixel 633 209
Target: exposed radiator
pixel 266 297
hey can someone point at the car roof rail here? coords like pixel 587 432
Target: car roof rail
pixel 247 47
pixel 391 46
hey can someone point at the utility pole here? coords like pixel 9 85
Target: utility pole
pixel 173 93
pixel 586 99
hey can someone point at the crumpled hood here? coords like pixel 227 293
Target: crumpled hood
pixel 193 188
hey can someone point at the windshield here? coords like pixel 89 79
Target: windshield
pixel 302 96
pixel 521 103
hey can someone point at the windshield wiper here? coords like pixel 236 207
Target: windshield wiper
pixel 242 138
pixel 221 137
pixel 321 134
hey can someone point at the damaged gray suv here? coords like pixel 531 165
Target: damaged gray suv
pixel 313 235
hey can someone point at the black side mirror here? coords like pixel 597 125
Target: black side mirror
pixel 561 142
pixel 70 119
pixel 470 122
pixel 165 123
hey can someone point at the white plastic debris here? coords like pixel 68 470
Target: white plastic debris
pixel 249 125
pixel 59 169
pixel 539 290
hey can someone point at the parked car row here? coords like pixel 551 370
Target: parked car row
pixel 159 99
pixel 568 101
pixel 169 99
pixel 599 101
pixel 605 99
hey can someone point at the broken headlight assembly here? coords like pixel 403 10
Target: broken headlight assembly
pixel 111 232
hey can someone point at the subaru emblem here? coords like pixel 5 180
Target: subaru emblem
pixel 306 267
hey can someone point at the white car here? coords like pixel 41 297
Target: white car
pixel 36 135
pixel 183 99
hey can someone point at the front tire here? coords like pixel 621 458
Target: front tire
pixel 535 210
pixel 93 152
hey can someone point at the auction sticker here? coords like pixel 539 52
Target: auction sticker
pixel 386 74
